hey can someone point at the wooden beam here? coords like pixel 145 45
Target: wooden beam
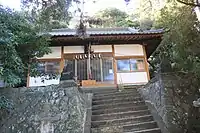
pixel 62 62
pixel 49 60
pixel 28 77
pixel 146 63
pixel 112 37
pixel 130 57
pixel 114 65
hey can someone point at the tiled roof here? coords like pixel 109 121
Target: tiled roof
pixel 103 31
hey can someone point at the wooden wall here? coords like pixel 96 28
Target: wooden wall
pixel 122 51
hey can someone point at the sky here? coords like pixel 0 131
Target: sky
pixel 15 4
pixel 90 7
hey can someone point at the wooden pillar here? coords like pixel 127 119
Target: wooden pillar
pixel 146 63
pixel 28 77
pixel 114 65
pixel 89 74
pixel 101 68
pixel 62 61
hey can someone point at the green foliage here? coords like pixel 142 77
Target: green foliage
pixel 19 44
pixel 113 17
pixel 180 50
pixel 49 14
pixel 181 41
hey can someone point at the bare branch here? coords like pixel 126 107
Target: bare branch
pixel 190 4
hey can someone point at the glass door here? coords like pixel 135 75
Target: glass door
pixel 101 69
pixel 107 69
pixel 95 66
pixel 81 69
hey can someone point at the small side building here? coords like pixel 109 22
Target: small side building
pixel 106 56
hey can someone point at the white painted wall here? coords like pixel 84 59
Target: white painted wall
pixel 73 49
pixel 128 50
pixel 37 81
pixel 101 48
pixel 132 78
pixel 55 53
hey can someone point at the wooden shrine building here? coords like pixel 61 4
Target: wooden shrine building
pixel 106 56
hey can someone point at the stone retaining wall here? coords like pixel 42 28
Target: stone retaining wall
pixel 51 109
pixel 157 93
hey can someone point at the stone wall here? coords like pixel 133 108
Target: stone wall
pixel 157 93
pixel 51 109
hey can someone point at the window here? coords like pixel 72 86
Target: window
pixel 123 65
pixel 136 64
pixel 128 65
pixel 49 67
pixel 52 67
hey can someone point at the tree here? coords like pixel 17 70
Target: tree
pixel 49 14
pixel 113 17
pixel 190 2
pixel 180 49
pixel 20 44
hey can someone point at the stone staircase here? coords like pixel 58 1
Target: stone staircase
pixel 124 111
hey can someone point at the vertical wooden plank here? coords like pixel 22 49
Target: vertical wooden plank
pixel 101 68
pixel 28 77
pixel 146 63
pixel 76 70
pixel 114 65
pixel 62 62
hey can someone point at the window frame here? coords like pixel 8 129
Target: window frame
pixel 131 70
pixel 45 61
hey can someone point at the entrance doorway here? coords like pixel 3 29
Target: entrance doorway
pixel 101 69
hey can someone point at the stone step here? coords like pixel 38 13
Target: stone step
pixel 122 121
pixel 121 104
pixel 131 87
pixel 117 100
pixel 140 126
pixel 119 115
pixel 154 130
pixel 104 91
pixel 117 109
pixel 116 93
pixel 116 96
pixel 110 129
pixel 120 128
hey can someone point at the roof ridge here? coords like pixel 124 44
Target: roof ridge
pixel 63 29
pixel 105 31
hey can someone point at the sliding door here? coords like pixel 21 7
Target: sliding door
pixel 101 69
pixel 107 69
pixel 81 69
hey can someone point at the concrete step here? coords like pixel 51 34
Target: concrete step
pixel 116 93
pixel 117 100
pixel 117 109
pixel 115 96
pixel 119 115
pixel 140 126
pixel 111 129
pixel 97 89
pixel 154 130
pixel 132 86
pixel 120 128
pixel 121 104
pixel 104 91
pixel 121 121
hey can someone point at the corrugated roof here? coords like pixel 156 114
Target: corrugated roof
pixel 103 31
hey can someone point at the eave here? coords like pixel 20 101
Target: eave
pixel 151 41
